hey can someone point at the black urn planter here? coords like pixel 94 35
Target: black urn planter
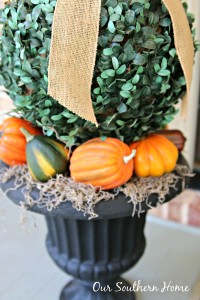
pixel 97 251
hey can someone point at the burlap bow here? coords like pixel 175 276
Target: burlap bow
pixel 73 52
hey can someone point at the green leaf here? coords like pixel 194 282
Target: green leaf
pixel 156 68
pixel 56 117
pixel 138 27
pixel 118 9
pixel 165 22
pixel 48 103
pixel 110 72
pixel 164 63
pixel 110 11
pixel 134 104
pixel 104 74
pixel 149 44
pixel 72 119
pixel 103 20
pixel 103 41
pixel 49 132
pixel 71 141
pixel 111 26
pixel 26 67
pixel 45 78
pixel 120 122
pixel 148 31
pixel 44 112
pixel 140 59
pixel 136 79
pixel 103 138
pixel 165 87
pixel 108 51
pixel 125 94
pixel 35 1
pixel 26 79
pixel 47 44
pixel 19 72
pixel 111 3
pixel 172 52
pixel 164 72
pixel 47 8
pixel 49 17
pixel 129 17
pixel 115 62
pixel 122 108
pixel 115 17
pixel 159 79
pixel 36 12
pixel 127 86
pixel 35 43
pixel 42 51
pixel 53 3
pixel 140 70
pixel 67 114
pixel 118 38
pixel 97 91
pixel 12 25
pixel 121 70
pixel 100 82
pixel 64 137
pixel 120 25
pixel 74 132
pixel 14 17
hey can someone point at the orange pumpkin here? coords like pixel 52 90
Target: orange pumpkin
pixel 104 163
pixel 155 155
pixel 13 142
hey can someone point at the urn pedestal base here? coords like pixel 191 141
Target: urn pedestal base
pixel 96 253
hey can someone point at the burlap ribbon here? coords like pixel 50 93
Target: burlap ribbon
pixel 73 52
pixel 183 42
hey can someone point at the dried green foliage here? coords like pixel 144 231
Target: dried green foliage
pixel 137 77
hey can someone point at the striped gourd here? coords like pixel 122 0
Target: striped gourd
pixel 45 156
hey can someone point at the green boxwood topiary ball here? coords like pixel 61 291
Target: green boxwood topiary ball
pixel 137 77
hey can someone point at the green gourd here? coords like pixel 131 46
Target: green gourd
pixel 45 156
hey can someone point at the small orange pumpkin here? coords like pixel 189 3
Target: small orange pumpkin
pixel 13 142
pixel 155 155
pixel 104 163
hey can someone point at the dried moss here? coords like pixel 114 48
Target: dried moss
pixel 84 197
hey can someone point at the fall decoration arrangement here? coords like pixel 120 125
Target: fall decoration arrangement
pixel 94 83
pixel 137 80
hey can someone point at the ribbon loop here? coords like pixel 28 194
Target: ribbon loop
pixel 73 52
pixel 183 43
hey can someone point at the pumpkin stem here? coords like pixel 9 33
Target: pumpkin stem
pixel 129 157
pixel 29 137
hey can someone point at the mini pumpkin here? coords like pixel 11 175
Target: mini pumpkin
pixel 13 142
pixel 155 155
pixel 103 163
pixel 45 156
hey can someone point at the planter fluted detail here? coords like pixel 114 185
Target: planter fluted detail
pixel 95 252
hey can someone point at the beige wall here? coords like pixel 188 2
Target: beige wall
pixel 189 125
